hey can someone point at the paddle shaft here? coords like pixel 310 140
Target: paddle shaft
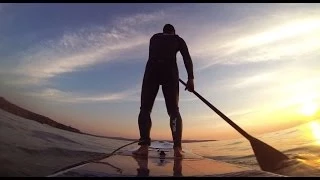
pixel 241 131
pixel 269 158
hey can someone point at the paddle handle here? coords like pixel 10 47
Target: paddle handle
pixel 241 131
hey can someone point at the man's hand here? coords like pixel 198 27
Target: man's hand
pixel 190 85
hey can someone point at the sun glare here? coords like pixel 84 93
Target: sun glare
pixel 315 128
pixel 309 108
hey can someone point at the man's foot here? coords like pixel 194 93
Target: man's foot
pixel 142 151
pixel 178 152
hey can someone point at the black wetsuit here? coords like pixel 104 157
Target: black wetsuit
pixel 162 69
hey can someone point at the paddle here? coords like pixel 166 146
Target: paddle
pixel 269 158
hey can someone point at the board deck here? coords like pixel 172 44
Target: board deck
pixel 123 163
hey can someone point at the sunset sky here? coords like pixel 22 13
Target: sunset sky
pixel 82 64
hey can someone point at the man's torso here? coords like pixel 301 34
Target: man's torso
pixel 162 61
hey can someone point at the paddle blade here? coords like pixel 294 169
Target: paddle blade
pixel 269 158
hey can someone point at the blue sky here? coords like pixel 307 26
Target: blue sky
pixel 82 64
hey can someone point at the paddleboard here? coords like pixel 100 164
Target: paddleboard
pixel 159 162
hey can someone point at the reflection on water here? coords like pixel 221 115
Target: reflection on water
pixel 315 127
pixel 143 169
pixel 300 165
pixel 300 144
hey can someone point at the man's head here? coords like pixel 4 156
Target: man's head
pixel 169 29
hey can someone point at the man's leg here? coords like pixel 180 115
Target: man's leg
pixel 171 94
pixel 149 92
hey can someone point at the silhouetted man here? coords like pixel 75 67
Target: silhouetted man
pixel 161 69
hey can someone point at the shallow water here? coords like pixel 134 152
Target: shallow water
pixel 28 148
pixel 301 144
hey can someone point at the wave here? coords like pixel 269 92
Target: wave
pixel 50 136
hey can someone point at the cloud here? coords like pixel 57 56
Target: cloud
pixel 277 77
pixel 274 42
pixel 250 81
pixel 265 90
pixel 131 94
pixel 249 41
pixel 88 46
pixel 60 58
pixel 71 97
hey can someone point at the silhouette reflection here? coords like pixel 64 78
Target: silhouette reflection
pixel 143 169
pixel 177 167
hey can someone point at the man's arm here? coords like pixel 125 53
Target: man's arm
pixel 186 58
